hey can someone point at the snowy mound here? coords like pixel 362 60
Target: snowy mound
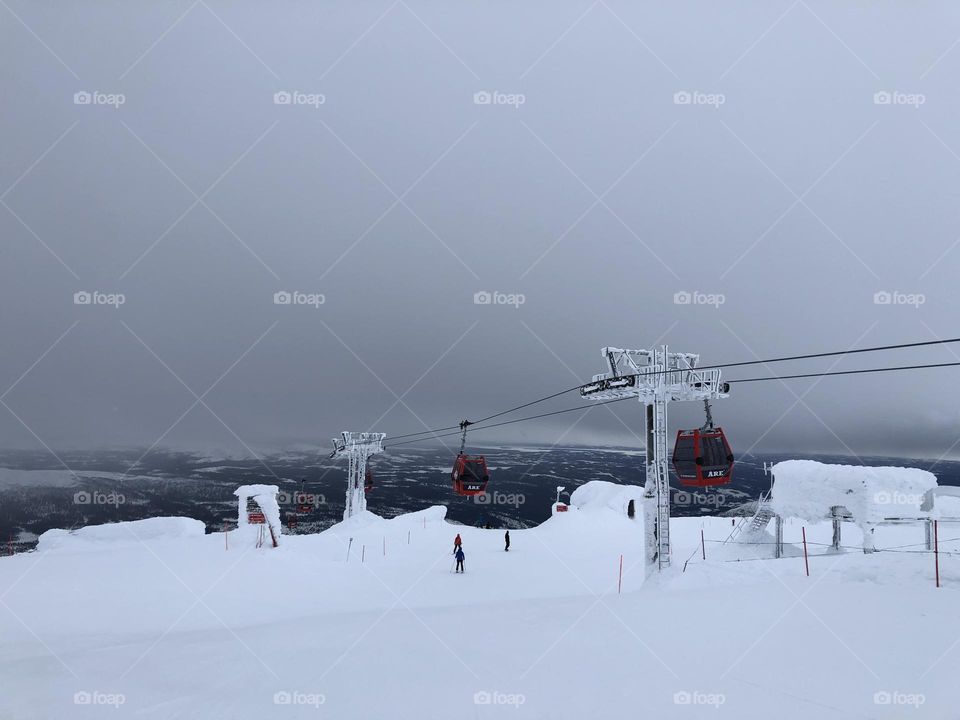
pixel 149 530
pixel 367 520
pixel 807 489
pixel 603 495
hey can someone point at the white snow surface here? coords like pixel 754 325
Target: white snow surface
pixel 946 507
pixel 808 489
pixel 175 624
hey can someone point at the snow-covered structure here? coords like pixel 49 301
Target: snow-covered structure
pixel 656 377
pixel 869 496
pixel 358 447
pixel 265 497
pixel 602 495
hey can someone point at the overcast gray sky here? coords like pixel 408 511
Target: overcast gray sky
pixel 790 159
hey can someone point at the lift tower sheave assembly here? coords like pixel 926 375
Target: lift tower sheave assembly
pixel 358 447
pixel 656 377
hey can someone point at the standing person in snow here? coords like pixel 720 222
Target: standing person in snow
pixel 459 555
pixel 506 539
pixel 457 542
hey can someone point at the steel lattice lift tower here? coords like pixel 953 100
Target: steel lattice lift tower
pixel 656 377
pixel 358 447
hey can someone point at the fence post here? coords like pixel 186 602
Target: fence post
pixel 806 561
pixel 620 579
pixel 703 547
pixel 363 553
pixel 778 530
pixel 936 552
pixel 835 514
pixel 349 545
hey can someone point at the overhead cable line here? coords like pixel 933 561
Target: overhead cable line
pixel 830 373
pixel 744 363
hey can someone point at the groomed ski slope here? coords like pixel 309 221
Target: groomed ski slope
pixel 153 619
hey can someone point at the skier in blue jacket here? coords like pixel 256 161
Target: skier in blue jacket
pixel 459 555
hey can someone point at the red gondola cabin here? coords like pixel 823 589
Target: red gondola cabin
pixel 702 458
pixel 470 475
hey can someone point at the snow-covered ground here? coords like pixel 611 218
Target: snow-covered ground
pixel 153 619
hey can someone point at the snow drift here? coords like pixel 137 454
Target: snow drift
pixel 598 495
pixel 137 531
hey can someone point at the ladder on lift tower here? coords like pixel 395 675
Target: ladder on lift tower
pixel 660 472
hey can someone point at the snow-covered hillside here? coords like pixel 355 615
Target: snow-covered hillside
pixel 152 619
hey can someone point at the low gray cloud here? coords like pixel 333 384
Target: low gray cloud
pixel 241 226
